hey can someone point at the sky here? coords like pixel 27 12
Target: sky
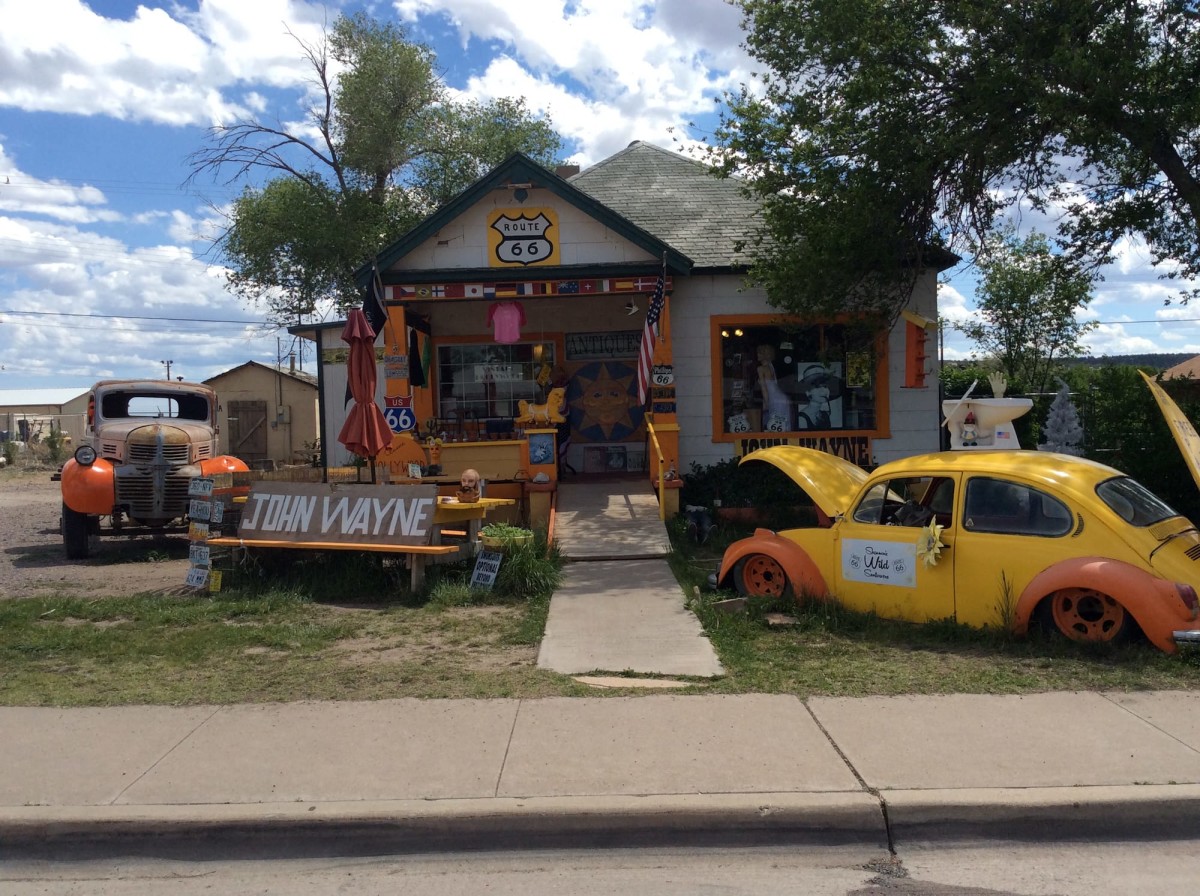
pixel 107 259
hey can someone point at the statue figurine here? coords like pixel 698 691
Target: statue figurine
pixel 970 434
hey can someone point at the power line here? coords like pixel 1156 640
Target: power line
pixel 100 317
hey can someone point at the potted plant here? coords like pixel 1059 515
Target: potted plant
pixel 501 536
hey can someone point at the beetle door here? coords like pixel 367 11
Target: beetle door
pixel 1008 532
pixel 883 566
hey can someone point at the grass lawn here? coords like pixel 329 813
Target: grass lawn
pixel 310 630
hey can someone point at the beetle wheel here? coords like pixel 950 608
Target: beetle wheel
pixel 760 576
pixel 1083 614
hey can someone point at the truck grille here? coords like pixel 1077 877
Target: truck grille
pixel 172 455
pixel 153 482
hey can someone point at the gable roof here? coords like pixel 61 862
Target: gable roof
pixel 520 169
pixel 676 199
pixel 298 375
pixel 13 398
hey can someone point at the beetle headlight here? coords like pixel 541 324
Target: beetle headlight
pixel 86 455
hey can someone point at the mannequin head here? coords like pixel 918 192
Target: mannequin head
pixel 469 486
pixel 766 354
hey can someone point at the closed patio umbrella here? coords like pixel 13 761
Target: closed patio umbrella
pixel 366 431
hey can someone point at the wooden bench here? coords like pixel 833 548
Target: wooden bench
pixel 417 553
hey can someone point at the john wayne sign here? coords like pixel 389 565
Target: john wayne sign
pixel 347 513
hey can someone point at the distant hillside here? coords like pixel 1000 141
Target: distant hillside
pixel 1161 361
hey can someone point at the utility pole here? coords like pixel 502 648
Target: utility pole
pixel 168 363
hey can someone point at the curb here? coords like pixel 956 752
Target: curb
pixel 1148 811
pixel 892 820
pixel 394 827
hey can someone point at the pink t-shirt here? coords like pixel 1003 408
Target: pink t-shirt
pixel 507 317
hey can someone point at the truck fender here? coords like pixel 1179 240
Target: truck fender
pixel 803 574
pixel 89 489
pixel 1151 600
pixel 224 463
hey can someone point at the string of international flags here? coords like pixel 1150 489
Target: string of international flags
pixel 514 289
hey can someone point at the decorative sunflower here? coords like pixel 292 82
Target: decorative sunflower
pixel 929 544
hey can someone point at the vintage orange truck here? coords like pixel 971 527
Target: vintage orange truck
pixel 145 442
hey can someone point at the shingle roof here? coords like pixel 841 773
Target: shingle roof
pixel 1188 370
pixel 675 199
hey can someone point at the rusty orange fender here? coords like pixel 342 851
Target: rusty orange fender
pixel 803 574
pixel 225 463
pixel 89 489
pixel 1151 600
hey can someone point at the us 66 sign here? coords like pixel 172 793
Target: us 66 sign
pixel 399 414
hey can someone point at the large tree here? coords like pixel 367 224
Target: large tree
pixel 1028 300
pixel 382 147
pixel 884 127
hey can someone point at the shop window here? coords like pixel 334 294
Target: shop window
pixel 816 378
pixel 486 380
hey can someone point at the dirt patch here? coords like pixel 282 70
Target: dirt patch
pixel 33 564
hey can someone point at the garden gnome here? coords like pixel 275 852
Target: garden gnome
pixel 970 431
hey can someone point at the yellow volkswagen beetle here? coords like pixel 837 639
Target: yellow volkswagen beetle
pixel 987 538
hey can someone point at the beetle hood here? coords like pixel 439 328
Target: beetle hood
pixel 829 480
pixel 1180 426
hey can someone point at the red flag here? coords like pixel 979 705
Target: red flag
pixel 649 338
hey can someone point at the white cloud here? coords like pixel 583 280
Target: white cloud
pixel 646 70
pixel 60 56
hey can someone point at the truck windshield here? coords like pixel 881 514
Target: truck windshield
pixel 116 405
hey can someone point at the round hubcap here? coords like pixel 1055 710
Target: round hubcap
pixel 1086 615
pixel 764 577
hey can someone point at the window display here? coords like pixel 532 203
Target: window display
pixel 482 381
pixel 803 379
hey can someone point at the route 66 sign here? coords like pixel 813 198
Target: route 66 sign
pixel 399 413
pixel 523 237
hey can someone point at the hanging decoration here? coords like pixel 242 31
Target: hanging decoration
pixel 929 544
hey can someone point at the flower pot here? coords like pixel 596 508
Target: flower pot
pixel 501 543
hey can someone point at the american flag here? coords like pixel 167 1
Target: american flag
pixel 649 338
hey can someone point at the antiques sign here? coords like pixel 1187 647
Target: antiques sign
pixel 349 513
pixel 603 346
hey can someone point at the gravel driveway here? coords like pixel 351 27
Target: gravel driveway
pixel 32 562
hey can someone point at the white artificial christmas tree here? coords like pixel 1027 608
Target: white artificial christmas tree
pixel 1063 431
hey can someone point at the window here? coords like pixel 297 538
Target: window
pixel 116 405
pixel 777 379
pixel 1133 502
pixel 911 501
pixel 478 381
pixel 1010 508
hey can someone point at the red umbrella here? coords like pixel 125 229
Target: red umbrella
pixel 366 431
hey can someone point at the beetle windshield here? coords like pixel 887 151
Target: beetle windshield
pixel 1133 502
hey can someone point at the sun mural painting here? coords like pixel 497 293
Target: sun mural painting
pixel 603 402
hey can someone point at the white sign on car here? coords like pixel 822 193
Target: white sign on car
pixel 880 562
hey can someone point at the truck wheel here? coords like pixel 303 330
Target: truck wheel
pixel 75 533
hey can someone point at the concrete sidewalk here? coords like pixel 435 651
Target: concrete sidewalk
pixel 408 775
pixel 619 608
